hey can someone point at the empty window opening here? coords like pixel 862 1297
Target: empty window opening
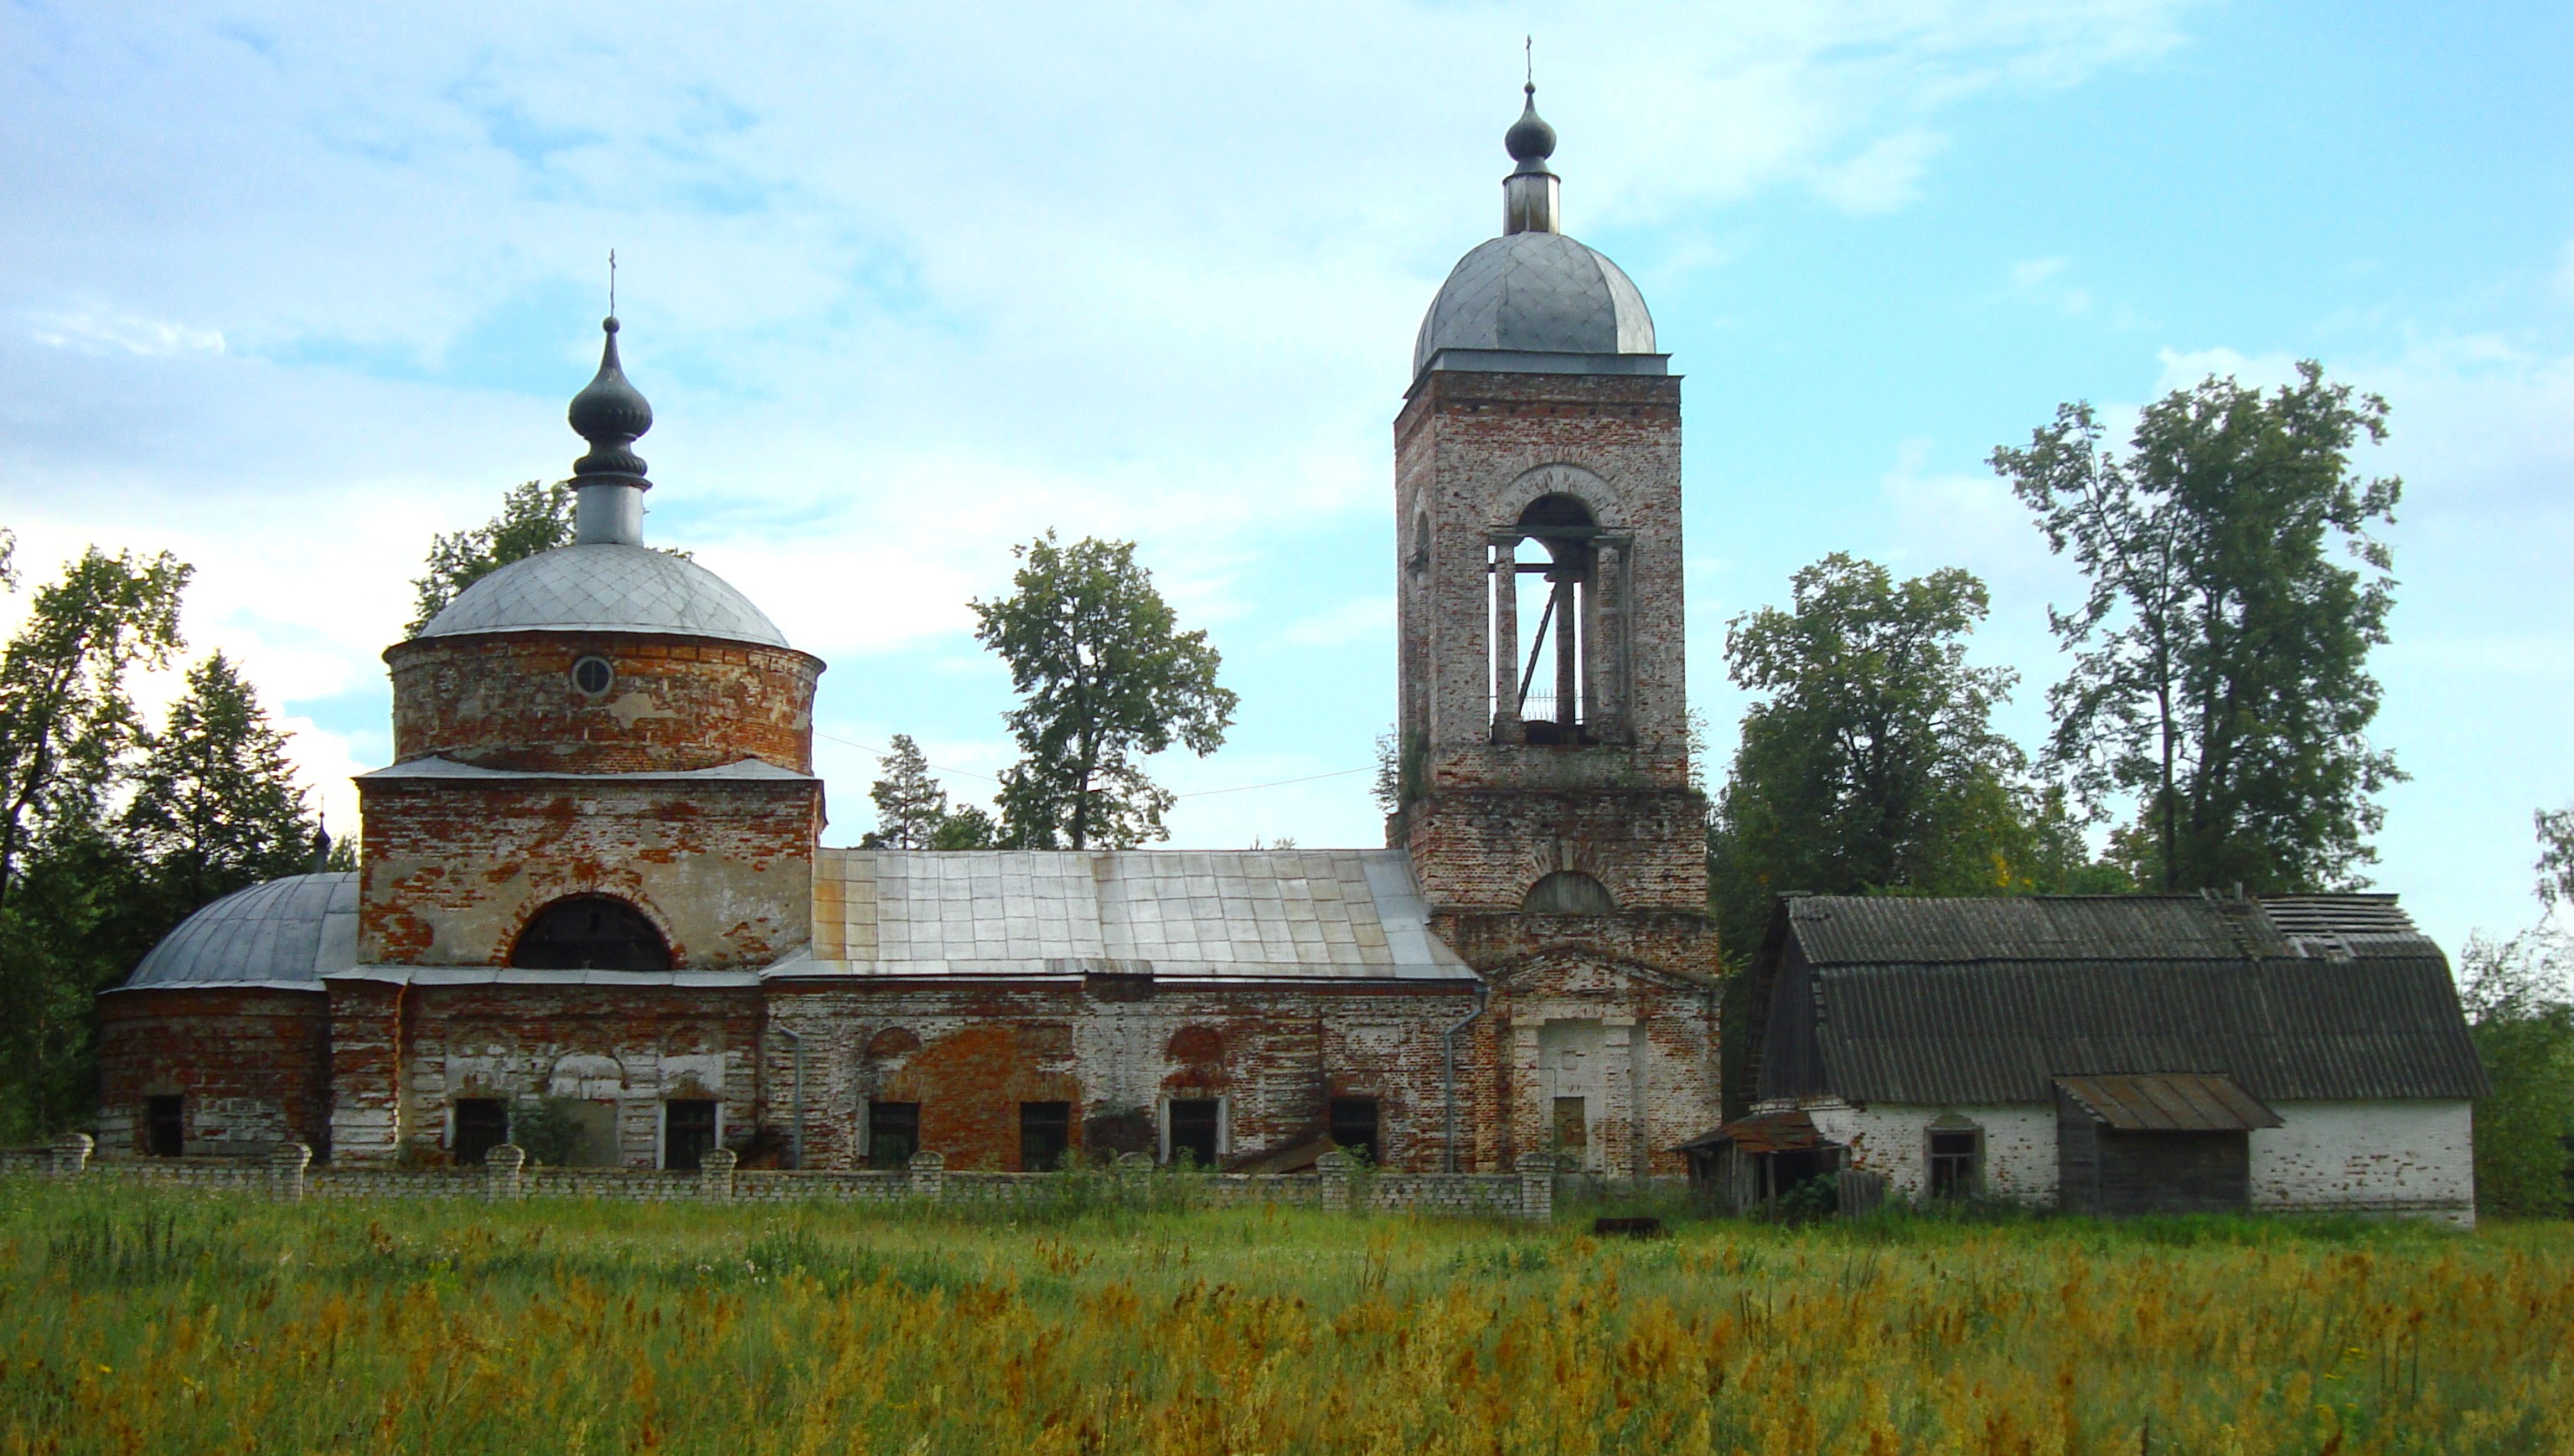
pixel 688 1132
pixel 1194 1124
pixel 1354 1126
pixel 1552 621
pixel 893 1134
pixel 481 1124
pixel 1957 1162
pixel 1045 1136
pixel 1568 893
pixel 1573 1124
pixel 591 932
pixel 166 1127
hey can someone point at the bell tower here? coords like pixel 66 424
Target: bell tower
pixel 1544 778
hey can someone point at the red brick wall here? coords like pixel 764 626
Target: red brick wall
pixel 679 703
pixel 454 869
pixel 251 1064
pixel 980 1049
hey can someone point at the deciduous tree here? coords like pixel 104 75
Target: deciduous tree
pixel 1872 764
pixel 2221 653
pixel 1105 678
pixel 535 518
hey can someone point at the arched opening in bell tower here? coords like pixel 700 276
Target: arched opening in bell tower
pixel 1556 688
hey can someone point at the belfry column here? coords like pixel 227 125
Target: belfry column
pixel 1568 640
pixel 1506 639
pixel 1608 707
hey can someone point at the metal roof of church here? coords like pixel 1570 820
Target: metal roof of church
pixel 1537 293
pixel 607 588
pixel 284 934
pixel 1183 914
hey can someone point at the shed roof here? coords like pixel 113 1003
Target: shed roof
pixel 2168 1102
pixel 1952 1000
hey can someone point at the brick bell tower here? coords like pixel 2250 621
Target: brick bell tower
pixel 1543 732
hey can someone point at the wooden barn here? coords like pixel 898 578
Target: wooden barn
pixel 2104 1054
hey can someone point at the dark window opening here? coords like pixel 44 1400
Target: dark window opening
pixel 1572 1125
pixel 688 1132
pixel 166 1127
pixel 591 932
pixel 481 1124
pixel 592 676
pixel 1045 1136
pixel 1955 1158
pixel 1354 1126
pixel 1555 609
pixel 1568 893
pixel 893 1134
pixel 1193 1124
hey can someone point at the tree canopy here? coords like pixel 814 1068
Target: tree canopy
pixel 2220 655
pixel 1105 678
pixel 535 518
pixel 1873 764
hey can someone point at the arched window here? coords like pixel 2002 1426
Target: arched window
pixel 591 932
pixel 1555 613
pixel 1568 893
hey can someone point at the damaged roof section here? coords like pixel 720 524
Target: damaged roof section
pixel 1293 914
pixel 2173 1102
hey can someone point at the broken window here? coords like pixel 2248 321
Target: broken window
pixel 1956 1161
pixel 1193 1125
pixel 1354 1126
pixel 481 1124
pixel 166 1127
pixel 894 1134
pixel 1572 1125
pixel 688 1132
pixel 591 932
pixel 1045 1134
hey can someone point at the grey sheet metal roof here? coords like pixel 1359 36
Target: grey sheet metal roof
pixel 285 934
pixel 1942 1002
pixel 435 767
pixel 1184 914
pixel 2169 1102
pixel 1535 293
pixel 606 587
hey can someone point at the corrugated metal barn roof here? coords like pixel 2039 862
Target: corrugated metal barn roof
pixel 1945 1000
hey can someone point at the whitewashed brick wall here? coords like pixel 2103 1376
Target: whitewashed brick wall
pixel 1894 1140
pixel 2369 1157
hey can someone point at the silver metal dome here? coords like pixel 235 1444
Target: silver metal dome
pixel 606 587
pixel 1535 293
pixel 286 933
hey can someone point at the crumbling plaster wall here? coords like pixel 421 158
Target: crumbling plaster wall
pixel 1894 1139
pixel 2376 1156
pixel 1657 1078
pixel 454 869
pixel 969 1053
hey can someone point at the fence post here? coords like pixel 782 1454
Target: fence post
pixel 505 1166
pixel 1537 1186
pixel 71 1154
pixel 1334 1169
pixel 928 1176
pixel 286 1164
pixel 715 1173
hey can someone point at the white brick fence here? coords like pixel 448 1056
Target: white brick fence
pixel 1337 1185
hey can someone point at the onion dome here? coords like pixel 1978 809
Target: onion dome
pixel 611 414
pixel 1530 140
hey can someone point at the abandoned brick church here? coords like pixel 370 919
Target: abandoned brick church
pixel 593 875
pixel 594 890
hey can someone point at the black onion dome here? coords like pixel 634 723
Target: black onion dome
pixel 1530 139
pixel 611 414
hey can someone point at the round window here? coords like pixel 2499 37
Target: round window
pixel 592 676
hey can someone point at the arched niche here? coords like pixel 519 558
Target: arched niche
pixel 1568 893
pixel 591 932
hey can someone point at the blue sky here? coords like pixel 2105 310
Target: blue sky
pixel 285 289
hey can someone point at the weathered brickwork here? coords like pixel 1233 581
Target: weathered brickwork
pixel 248 1066
pixel 509 702
pixel 970 1055
pixel 454 869
pixel 1480 849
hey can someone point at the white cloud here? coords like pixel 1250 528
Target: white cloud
pixel 96 334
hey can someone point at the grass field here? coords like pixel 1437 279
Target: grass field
pixel 130 1322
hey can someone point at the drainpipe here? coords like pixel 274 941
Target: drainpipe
pixel 1448 1068
pixel 795 1132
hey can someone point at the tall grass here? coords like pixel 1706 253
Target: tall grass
pixel 132 1322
